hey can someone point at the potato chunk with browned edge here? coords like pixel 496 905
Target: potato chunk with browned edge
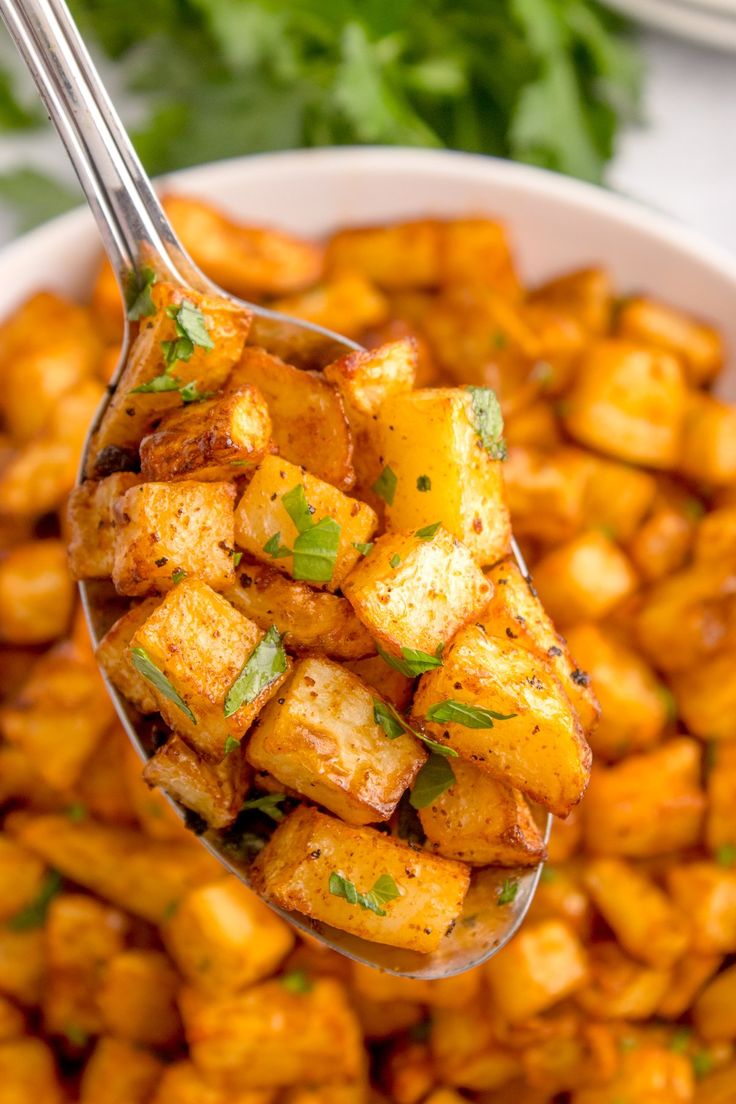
pixel 164 529
pixel 652 322
pixel 213 791
pixel 414 590
pixel 709 440
pixel 544 963
pixel 113 656
pixel 200 644
pixel 538 747
pixel 584 580
pixel 91 518
pixel 480 821
pixel 321 738
pixel 312 859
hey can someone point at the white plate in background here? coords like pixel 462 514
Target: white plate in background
pixel 712 22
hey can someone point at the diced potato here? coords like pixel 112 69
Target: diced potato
pixel 561 341
pixel 404 255
pixel 544 963
pixel 28 1073
pixel 451 992
pixel 539 748
pixel 480 821
pixel 98 790
pixel 617 498
pixel 380 1020
pixel 215 791
pixel 310 427
pixel 715 537
pixel 113 656
pixel 687 978
pixel 223 938
pixel 717 1087
pixel 561 895
pixel 571 1054
pixel 21 878
pixel 354 1092
pixel 620 988
pixel 22 964
pixel 391 685
pixel 249 261
pixel 662 543
pixel 414 592
pixel 346 303
pixel 687 617
pixel 12 1021
pixel 706 892
pixel 698 345
pixel 211 440
pixel 201 643
pixel 182 1083
pixel 321 738
pixel 634 704
pixel 137 998
pixel 647 805
pixel 709 440
pixel 306 1037
pixel 261 520
pixel 141 875
pixel 706 695
pixel 565 837
pixel 586 294
pixel 407 1073
pixel 20 779
pixel 59 715
pixel 119 1072
pixel 153 813
pixel 466 1052
pixel 534 426
pixel 91 522
pixel 429 440
pixel 298 863
pixel 163 529
pixel 309 619
pixel 584 579
pixel 641 916
pixel 720 820
pixel 36 593
pixel 546 493
pixel 647 1074
pixel 714 1012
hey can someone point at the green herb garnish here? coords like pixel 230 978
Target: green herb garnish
pixel 702 1063
pixel 178 575
pixel 680 1041
pixel 191 332
pixel 726 854
pixel 190 393
pixel 364 549
pixel 268 804
pixel 508 891
pixel 395 560
pixel 385 485
pixel 76 812
pixel 231 744
pixel 471 716
pixel 298 509
pixel 138 300
pixel 237 557
pixel 433 779
pixel 297 981
pixel 145 666
pixel 488 421
pixel 394 725
pixel 34 915
pixel 384 890
pixel 275 548
pixel 424 483
pixel 316 546
pixel 264 665
pixel 428 531
pixel 412 663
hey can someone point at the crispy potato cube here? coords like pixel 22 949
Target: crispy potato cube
pixel 309 619
pixel 113 656
pixel 534 426
pixel 22 964
pixel 584 579
pixel 310 427
pixel 620 988
pixel 539 749
pixel 648 804
pixel 137 998
pixel 20 779
pixel 130 412
pixel 215 791
pixel 306 1037
pixel 321 738
pixel 36 593
pixel 546 493
pixel 716 1087
pixel 403 255
pixel 443 473
pixel 152 811
pixel 648 1074
pixel 59 715
pixel 699 346
pixel 714 1012
pixel 720 820
pixel 715 536
pixel 98 790
pixel 706 893
pixel 211 440
pixel 477 251
pixel 629 401
pixel 451 992
pixel 617 498
pixel 21 878
pixel 466 1052
pixel 223 938
pixel 346 303
pixel 249 261
pixel 561 895
pixel 561 341
pixel 706 695
pixel 141 875
pixel 641 916
pixel 391 685
pixel 201 644
pixel 565 837
pixel 544 963
pixel 634 704
pixel 480 821
pixel 261 519
pixel 687 978
pixel 182 1083
pixel 119 1072
pixel 295 868
pixel 165 528
pixel 663 541
pixel 414 592
pixel 585 294
pixel 28 1073
pixel 91 524
pixel 708 453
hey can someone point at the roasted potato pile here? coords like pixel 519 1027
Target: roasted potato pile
pixel 350 674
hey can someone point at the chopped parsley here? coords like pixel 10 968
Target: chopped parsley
pixel 145 666
pixel 178 575
pixel 191 332
pixel 428 531
pixel 76 812
pixel 395 560
pixel 726 854
pixel 433 779
pixel 508 891
pixel 33 915
pixel 384 890
pixel 680 1041
pixel 297 981
pixel 413 662
pixel 424 483
pixel 298 509
pixel 264 665
pixel 488 421
pixel 231 744
pixel 268 804
pixel 471 716
pixel 702 1063
pixel 138 300
pixel 316 546
pixel 190 393
pixel 394 725
pixel 275 548
pixel 364 549
pixel 385 485
pixel 237 557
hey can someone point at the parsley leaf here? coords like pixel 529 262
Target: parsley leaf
pixel 424 483
pixel 384 890
pixel 237 557
pixel 394 725
pixel 76 812
pixel 298 509
pixel 268 804
pixel 488 421
pixel 178 575
pixel 364 549
pixel 471 716
pixel 34 914
pixel 163 382
pixel 297 981
pixel 413 662
pixel 315 552
pixel 433 779
pixel 138 301
pixel 428 531
pixel 190 393
pixel 264 665
pixel 395 560
pixel 385 485
pixel 145 666
pixel 275 548
pixel 726 854
pixel 508 891
pixel 231 744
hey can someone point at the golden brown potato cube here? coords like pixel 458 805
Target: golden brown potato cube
pixel 720 821
pixel 310 427
pixel 113 656
pixel 12 1021
pixel 706 892
pixel 249 261
pixel 641 916
pixel 620 988
pixel 477 251
pixel 141 875
pixel 306 1037
pixel 584 579
pixel 98 790
pixel 346 303
pixel 413 592
pixel 152 811
pixel 119 1072
pixel 706 696
pixel 561 895
pixel 546 493
pixel 537 748
pixel 617 498
pixel 91 524
pixel 164 529
pixel 708 453
pixel 315 540
pixel 20 779
pixel 391 685
pixel 22 964
pixel 699 346
pixel 36 593
pixel 59 715
pixel 223 938
pixel 714 1012
pixel 182 1083
pixel 354 1092
pixel 215 791
pixel 200 643
pixel 208 441
pixel 716 1087
pixel 137 998
pixel 308 619
pixel 533 426
pixel 544 963
pixel 585 294
pixel 466 1052
pixel 22 876
pixel 561 341
pixel 312 861
pixel 28 1072
pixel 687 978
pixel 634 705
pixel 648 804
pixel 441 471
pixel 136 402
pixel 322 739
pixel 651 1073
pixel 715 536
pixel 451 992
pixel 480 821
pixel 629 401
pixel 515 611
pixel 396 257
pixel 663 541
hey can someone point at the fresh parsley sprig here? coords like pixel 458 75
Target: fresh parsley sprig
pixel 268 804
pixel 488 421
pixel 384 890
pixel 316 545
pixel 394 725
pixel 435 776
pixel 413 661
pixel 263 666
pixel 462 713
pixel 145 666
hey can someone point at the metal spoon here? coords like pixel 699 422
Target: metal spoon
pixel 134 228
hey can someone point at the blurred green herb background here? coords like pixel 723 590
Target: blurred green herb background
pixel 542 81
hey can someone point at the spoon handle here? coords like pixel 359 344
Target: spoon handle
pixel 130 219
